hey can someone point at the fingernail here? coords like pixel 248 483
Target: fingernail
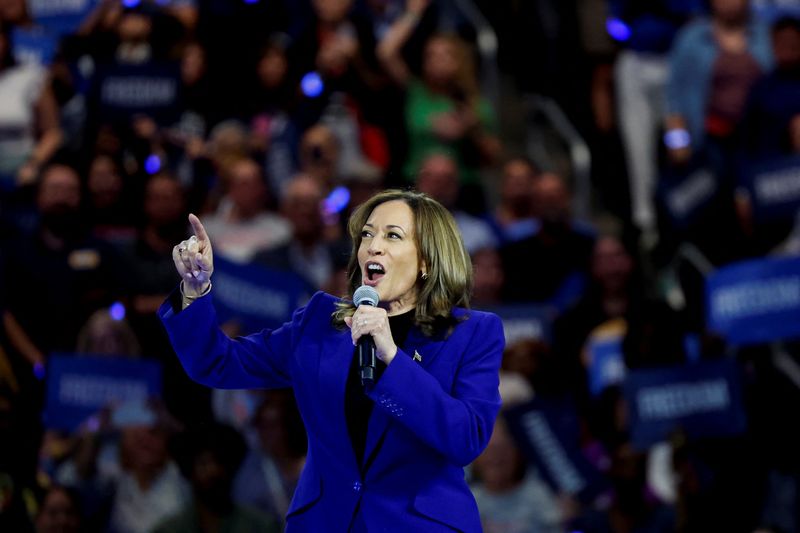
pixel 196 273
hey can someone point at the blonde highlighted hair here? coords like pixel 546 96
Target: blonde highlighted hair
pixel 448 282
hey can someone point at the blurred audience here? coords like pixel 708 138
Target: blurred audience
pixel 209 458
pixel 271 469
pixel 59 512
pixel 307 253
pixel 274 120
pixel 542 267
pixel 445 111
pixel 511 498
pixel 243 224
pixel 514 217
pixel 438 178
pixel 29 117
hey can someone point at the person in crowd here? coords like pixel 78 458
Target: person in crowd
pixel 561 248
pixel 338 46
pixel 163 209
pixel 57 267
pixel 105 334
pixel 384 441
pixel 535 361
pixel 151 280
pixel 489 277
pixel 59 511
pixel 306 253
pixel 645 32
pixel 270 472
pixel 438 178
pixel 514 217
pixel 320 156
pixel 511 498
pixel 273 126
pixel 183 143
pixel 631 508
pixel 614 304
pixel 209 458
pixel 110 206
pixel 29 118
pixel 243 225
pixel 132 481
pixel 445 111
pixel 774 101
pixel 713 63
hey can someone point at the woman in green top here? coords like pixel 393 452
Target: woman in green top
pixel 444 109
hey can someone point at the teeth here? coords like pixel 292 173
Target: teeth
pixel 375 268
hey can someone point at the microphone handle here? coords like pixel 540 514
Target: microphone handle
pixel 366 360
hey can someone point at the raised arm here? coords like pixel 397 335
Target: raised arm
pixel 208 355
pixel 194 261
pixel 388 50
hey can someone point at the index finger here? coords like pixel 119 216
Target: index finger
pixel 198 228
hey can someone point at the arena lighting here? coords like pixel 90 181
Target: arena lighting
pixel 336 200
pixel 152 164
pixel 250 1
pixel 117 311
pixel 618 30
pixel 312 85
pixel 131 3
pixel 677 138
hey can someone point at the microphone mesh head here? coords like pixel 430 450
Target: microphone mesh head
pixel 366 295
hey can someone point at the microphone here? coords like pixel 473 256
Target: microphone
pixel 366 295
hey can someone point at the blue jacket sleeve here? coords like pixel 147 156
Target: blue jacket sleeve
pixel 211 358
pixel 457 423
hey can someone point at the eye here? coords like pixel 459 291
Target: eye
pixel 393 235
pixel 365 234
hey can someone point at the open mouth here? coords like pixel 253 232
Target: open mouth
pixel 375 272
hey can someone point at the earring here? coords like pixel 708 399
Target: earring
pixel 424 275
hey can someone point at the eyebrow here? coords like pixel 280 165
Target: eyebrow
pixel 387 226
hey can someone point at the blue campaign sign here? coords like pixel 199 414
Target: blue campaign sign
pixel 523 321
pixel 34 45
pixel 255 296
pixel 60 16
pixel 548 433
pixel 755 301
pixel 608 365
pixel 152 89
pixel 686 196
pixel 774 187
pixel 78 386
pixel 702 399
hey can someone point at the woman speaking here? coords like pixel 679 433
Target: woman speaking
pixel 387 445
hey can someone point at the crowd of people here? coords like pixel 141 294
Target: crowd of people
pixel 273 120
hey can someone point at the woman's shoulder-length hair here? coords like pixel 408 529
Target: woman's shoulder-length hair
pixel 448 283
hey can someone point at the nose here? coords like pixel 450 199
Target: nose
pixel 375 246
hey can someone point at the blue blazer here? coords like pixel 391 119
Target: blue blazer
pixel 431 418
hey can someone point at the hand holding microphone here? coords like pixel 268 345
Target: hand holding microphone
pixel 369 328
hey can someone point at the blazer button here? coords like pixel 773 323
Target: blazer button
pixel 357 486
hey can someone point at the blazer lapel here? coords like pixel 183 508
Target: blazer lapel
pixel 333 368
pixel 426 350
